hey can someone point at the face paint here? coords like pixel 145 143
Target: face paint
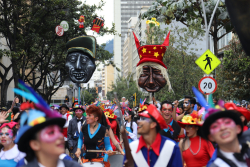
pixel 50 134
pixel 6 135
pixel 185 104
pixel 78 111
pixel 226 122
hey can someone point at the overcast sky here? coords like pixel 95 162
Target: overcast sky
pixel 108 14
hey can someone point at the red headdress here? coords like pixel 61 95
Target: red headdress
pixel 153 112
pixel 152 53
pixel 242 110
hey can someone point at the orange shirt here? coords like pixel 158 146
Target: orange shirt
pixel 201 159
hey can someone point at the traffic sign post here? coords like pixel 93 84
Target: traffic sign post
pixel 207 85
pixel 208 62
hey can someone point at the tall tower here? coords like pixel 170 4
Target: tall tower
pixel 123 11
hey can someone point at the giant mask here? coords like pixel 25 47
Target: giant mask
pixel 80 60
pixel 151 72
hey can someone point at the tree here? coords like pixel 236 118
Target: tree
pixel 33 46
pixel 89 95
pixel 179 58
pixel 234 74
pixel 188 11
pixel 122 90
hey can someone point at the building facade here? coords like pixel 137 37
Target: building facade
pixel 123 11
pixel 107 79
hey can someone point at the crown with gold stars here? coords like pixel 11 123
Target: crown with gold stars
pixel 152 53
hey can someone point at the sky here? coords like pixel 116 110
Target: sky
pixel 108 14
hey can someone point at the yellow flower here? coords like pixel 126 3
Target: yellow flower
pixel 148 21
pixel 153 19
pixel 186 119
pixel 193 120
pixel 157 23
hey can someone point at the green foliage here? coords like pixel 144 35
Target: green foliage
pixel 186 12
pixel 89 95
pixel 234 73
pixel 122 90
pixel 29 29
pixel 179 58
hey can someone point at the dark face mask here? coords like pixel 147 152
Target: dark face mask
pixel 151 79
pixel 80 67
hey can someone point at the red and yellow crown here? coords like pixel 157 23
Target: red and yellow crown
pixel 152 53
pixel 110 113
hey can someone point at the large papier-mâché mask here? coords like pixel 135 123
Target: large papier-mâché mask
pixel 80 66
pixel 151 79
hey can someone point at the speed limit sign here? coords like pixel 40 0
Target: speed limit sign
pixel 207 85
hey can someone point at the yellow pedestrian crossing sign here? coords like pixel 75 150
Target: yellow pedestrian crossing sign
pixel 208 62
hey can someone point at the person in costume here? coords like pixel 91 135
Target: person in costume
pixel 224 127
pixel 153 149
pixel 40 135
pixel 173 131
pixel 114 124
pixel 131 126
pixel 9 153
pixel 196 151
pixel 124 104
pixel 94 136
pixel 151 72
pixel 188 104
pixel 64 109
pixel 74 130
pixel 111 134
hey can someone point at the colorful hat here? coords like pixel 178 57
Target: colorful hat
pixel 78 107
pixel 35 119
pixel 153 112
pixel 242 110
pixel 152 53
pixel 85 44
pixel 191 119
pixel 110 112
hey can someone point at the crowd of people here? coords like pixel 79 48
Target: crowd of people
pixel 159 134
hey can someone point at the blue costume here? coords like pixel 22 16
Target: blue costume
pixel 170 157
pixel 11 157
pixel 95 141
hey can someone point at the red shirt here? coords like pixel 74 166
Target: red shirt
pixel 112 124
pixel 203 156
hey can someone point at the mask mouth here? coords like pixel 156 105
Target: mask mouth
pixel 78 75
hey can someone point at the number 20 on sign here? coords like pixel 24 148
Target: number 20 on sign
pixel 207 85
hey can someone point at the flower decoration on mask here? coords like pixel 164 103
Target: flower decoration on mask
pixel 192 119
pixel 100 105
pixel 110 112
pixel 143 106
pixel 153 22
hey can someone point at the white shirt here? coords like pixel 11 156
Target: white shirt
pixel 59 164
pixel 79 124
pixel 133 135
pixel 13 153
pixel 229 155
pixel 67 120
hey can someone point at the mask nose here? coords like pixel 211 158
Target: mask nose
pixel 78 63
